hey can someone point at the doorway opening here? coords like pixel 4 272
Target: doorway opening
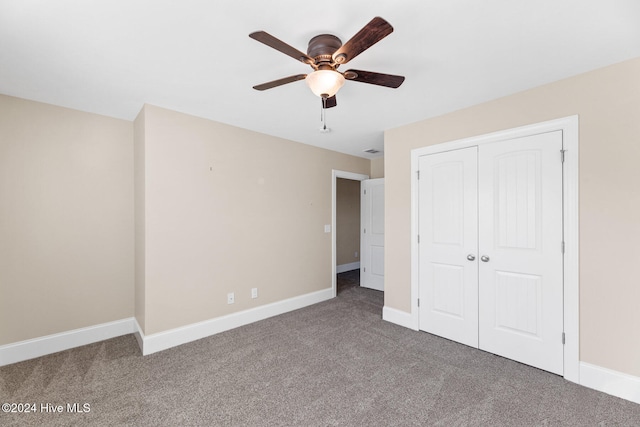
pixel 347 232
pixel 345 224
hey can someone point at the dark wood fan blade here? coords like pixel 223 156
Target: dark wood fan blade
pixel 388 80
pixel 369 35
pixel 329 102
pixel 280 82
pixel 277 44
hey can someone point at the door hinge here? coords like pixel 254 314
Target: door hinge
pixel 365 231
pixel 418 239
pixel 418 173
pixel 365 192
pixel 364 269
pixel 562 155
pixel 563 338
pixel 418 302
pixel 562 247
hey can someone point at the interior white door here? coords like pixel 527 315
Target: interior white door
pixel 448 229
pixel 520 248
pixel 372 234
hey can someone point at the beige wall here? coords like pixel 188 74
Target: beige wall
pixel 608 104
pixel 347 221
pixel 377 168
pixel 226 210
pixel 66 219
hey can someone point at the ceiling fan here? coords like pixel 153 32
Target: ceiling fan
pixel 325 54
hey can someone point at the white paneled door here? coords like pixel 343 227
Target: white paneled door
pixel 509 267
pixel 372 234
pixel 520 241
pixel 449 245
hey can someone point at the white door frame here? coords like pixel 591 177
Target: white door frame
pixel 335 174
pixel 569 128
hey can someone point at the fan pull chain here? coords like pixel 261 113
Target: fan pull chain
pixel 323 115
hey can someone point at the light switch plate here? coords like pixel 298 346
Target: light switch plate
pixel 327 228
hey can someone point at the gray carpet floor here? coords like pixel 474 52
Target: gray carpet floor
pixel 336 363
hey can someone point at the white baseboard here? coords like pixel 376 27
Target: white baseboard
pixel 611 382
pixel 30 349
pixel 398 317
pixel 347 267
pixel 139 335
pixel 37 347
pixel 174 337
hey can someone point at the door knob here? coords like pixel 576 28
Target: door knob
pixel 471 257
pixel 484 258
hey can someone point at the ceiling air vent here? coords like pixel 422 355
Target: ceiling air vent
pixel 372 151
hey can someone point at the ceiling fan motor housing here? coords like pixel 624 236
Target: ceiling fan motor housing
pixel 322 47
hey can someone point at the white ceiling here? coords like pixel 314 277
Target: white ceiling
pixel 112 56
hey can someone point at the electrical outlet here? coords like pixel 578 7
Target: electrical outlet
pixel 254 292
pixel 231 298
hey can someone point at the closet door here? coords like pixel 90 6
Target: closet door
pixel 448 228
pixel 520 250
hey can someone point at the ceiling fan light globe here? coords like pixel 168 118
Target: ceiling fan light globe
pixel 325 83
